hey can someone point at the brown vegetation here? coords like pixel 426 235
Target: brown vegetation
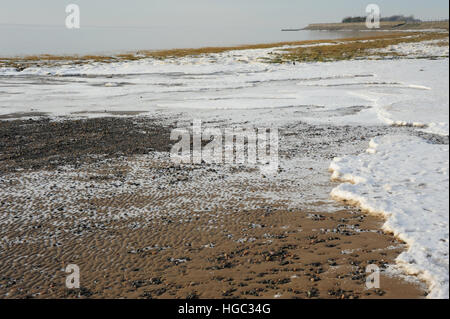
pixel 345 48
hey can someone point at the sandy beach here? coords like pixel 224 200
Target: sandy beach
pixel 230 250
pixel 86 175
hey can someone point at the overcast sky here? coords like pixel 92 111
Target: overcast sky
pixel 276 13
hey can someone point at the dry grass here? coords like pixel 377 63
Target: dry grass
pixel 441 44
pixel 176 53
pixel 352 48
pixel 345 48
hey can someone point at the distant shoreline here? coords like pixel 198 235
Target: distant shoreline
pixel 389 36
pixel 360 26
pixel 46 59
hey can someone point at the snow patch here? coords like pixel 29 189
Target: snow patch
pixel 405 179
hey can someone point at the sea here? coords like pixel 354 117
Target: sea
pixel 22 40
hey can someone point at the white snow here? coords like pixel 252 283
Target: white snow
pixel 411 92
pixel 406 180
pixel 432 48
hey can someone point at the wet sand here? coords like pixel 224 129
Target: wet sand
pixel 289 256
pixel 242 245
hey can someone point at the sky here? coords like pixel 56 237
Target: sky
pixel 201 13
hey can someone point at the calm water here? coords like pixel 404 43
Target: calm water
pixel 27 40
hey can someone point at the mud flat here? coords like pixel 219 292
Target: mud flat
pixel 103 194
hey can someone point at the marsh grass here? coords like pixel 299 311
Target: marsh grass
pixel 340 49
pixel 441 44
pixel 357 48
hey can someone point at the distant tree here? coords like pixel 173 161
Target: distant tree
pixel 394 18
pixel 353 19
